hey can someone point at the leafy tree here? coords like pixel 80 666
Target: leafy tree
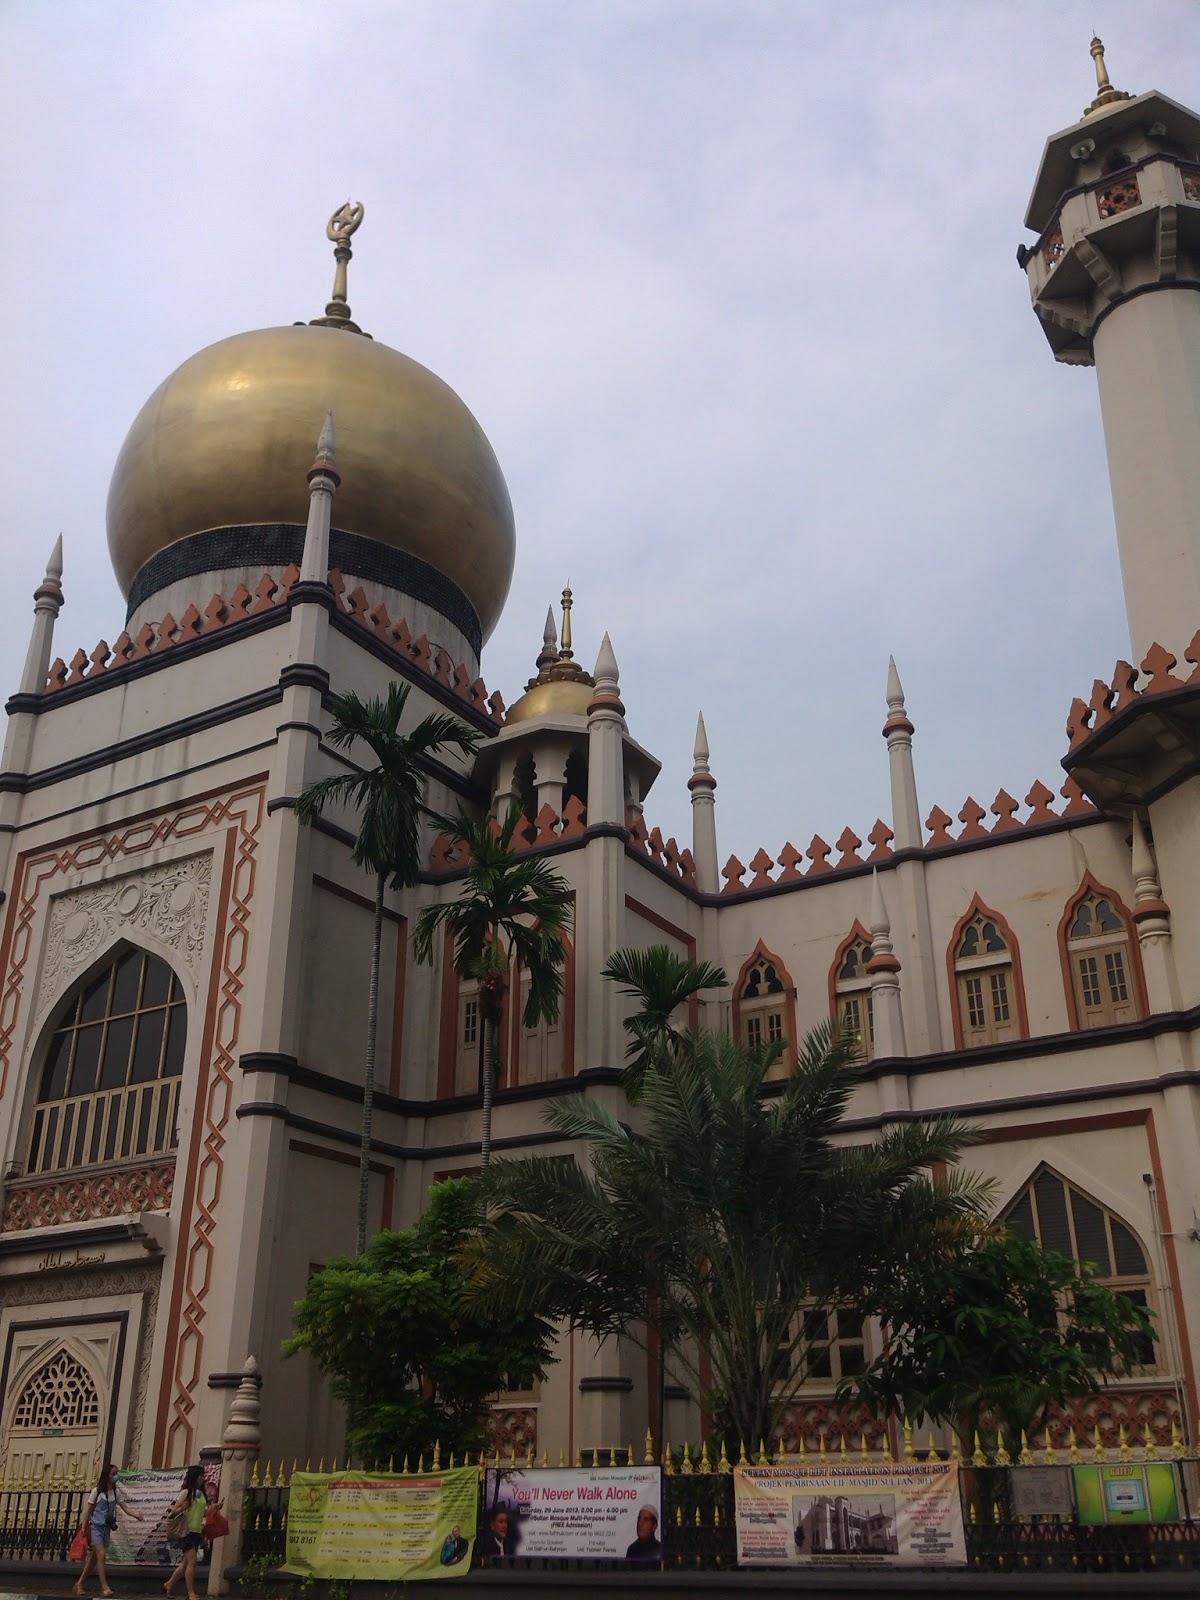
pixel 388 795
pixel 661 981
pixel 728 1212
pixel 996 1332
pixel 412 1362
pixel 508 905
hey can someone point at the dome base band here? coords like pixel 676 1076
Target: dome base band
pixel 276 544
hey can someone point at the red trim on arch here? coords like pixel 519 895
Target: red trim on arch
pixel 856 932
pixel 977 908
pixel 761 953
pixel 1090 885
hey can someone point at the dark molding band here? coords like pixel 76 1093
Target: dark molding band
pixel 59 1237
pixel 232 1380
pixel 276 544
pixel 605 1385
pixel 304 675
pixel 398 1152
pixel 1134 294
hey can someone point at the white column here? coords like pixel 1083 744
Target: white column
pixel 603 926
pixel 47 603
pixel 323 480
pixel 898 731
pixel 704 814
pixel 22 721
pixel 1147 354
pixel 884 968
pixel 1152 917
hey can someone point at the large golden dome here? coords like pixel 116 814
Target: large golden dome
pixel 226 441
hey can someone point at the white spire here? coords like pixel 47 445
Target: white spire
pixel 325 443
pixel 323 481
pixel 895 690
pixel 550 631
pixel 700 748
pixel 878 920
pixel 54 567
pixel 606 675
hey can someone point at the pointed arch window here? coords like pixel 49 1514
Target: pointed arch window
pixel 852 993
pixel 1061 1217
pixel 468 1057
pixel 1099 957
pixel 109 1087
pixel 986 986
pixel 762 1000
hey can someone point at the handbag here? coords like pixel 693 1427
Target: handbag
pixel 78 1547
pixel 177 1523
pixel 215 1524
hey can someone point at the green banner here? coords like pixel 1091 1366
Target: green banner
pixel 382 1524
pixel 1127 1492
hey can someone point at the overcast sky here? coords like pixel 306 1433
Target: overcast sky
pixel 730 286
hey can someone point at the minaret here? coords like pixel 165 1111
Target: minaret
pixel 323 482
pixel 1152 918
pixel 47 603
pixel 22 708
pixel 898 731
pixel 884 968
pixel 1114 276
pixel 704 814
pixel 604 923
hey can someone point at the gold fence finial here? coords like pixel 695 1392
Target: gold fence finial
pixel 764 1459
pixel 437 1455
pixel 724 1464
pixel 932 1453
pixel 1097 1444
pixel 1124 1453
pixel 1002 1457
pixel 705 1463
pixel 979 1455
pixel 1074 1454
pixel 562 1456
pixel 824 1448
pixel 909 1452
pixel 649 1456
pixel 1178 1448
pixel 687 1465
pixel 1026 1456
pixel 668 1460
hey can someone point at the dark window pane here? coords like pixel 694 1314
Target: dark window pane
pixel 970 942
pixel 114 1069
pixel 147 1049
pixel 125 985
pixel 818 1362
pixel 853 1361
pixel 774 982
pixel 1108 919
pixel 143 1122
pixel 1089 1233
pixel 1020 1218
pixel 1144 1346
pixel 991 937
pixel 164 1134
pixel 95 998
pixel 849 1325
pixel 87 1059
pixel 1131 1263
pixel 110 1132
pixel 1052 1214
pixel 176 1039
pixel 158 982
pixel 54 1073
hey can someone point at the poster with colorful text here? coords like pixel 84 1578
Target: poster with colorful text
pixel 381 1525
pixel 584 1513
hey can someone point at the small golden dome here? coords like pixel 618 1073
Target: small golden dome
pixel 555 697
pixel 227 439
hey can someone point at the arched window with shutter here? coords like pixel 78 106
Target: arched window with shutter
pixel 985 979
pixel 850 986
pixel 1104 972
pixel 109 1085
pixel 764 1005
pixel 1061 1217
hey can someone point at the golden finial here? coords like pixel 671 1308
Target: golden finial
pixel 562 1456
pixel 1074 1454
pixel 565 652
pixel 1001 1457
pixel 978 1456
pixel 1124 1452
pixel 1178 1448
pixel 1048 1452
pixel 649 1457
pixel 1097 1444
pixel 1106 95
pixel 763 1458
pixel 687 1465
pixel 705 1463
pixel 545 1457
pixel 932 1453
pixel 863 1448
pixel 344 221
pixel 909 1453
pixel 724 1465
pixel 668 1460
pixel 1026 1456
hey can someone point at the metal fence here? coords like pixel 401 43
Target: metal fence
pixel 38 1524
pixel 699 1529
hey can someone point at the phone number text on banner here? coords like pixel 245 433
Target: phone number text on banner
pixel 888 1514
pixel 381 1525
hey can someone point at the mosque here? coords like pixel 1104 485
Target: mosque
pixel 183 967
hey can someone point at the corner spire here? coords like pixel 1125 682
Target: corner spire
pixel 605 675
pixel 700 748
pixel 325 461
pixel 566 653
pixel 47 603
pixel 344 222
pixel 1106 95
pixel 548 654
pixel 323 481
pixel 702 786
pixel 54 567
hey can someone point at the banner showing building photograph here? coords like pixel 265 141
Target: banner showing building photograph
pixel 586 1513
pixel 867 1513
pixel 381 1525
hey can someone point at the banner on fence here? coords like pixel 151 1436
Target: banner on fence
pixel 1129 1491
pixel 586 1513
pixel 867 1513
pixel 151 1493
pixel 381 1525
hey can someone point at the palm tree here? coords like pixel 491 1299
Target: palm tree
pixel 509 905
pixel 388 795
pixel 662 981
pixel 718 1223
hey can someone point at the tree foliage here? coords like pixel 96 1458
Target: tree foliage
pixel 662 982
pixel 388 843
pixel 997 1331
pixel 508 905
pixel 715 1223
pixel 410 1359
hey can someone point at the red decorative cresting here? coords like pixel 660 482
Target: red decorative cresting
pixel 532 833
pixel 666 854
pixel 155 637
pixel 1110 699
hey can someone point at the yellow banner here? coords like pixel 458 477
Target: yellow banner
pixel 382 1525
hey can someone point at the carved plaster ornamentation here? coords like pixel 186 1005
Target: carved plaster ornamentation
pixel 140 1279
pixel 168 903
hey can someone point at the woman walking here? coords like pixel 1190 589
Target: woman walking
pixel 101 1518
pixel 192 1502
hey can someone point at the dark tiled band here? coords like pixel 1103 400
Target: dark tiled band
pixel 275 544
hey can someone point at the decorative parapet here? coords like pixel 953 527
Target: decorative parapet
pixel 1004 809
pixel 850 854
pixel 1109 699
pixel 665 854
pixel 268 595
pixel 87 1197
pixel 531 833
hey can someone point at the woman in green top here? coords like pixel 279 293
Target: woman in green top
pixel 194 1502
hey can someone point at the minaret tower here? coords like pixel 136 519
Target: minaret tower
pixel 1115 280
